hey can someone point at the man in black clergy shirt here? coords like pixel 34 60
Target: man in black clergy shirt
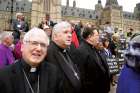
pixel 58 55
pixel 31 74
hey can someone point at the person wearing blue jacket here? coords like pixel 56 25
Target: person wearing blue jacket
pixel 129 80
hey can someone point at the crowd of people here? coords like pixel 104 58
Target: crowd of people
pixel 63 57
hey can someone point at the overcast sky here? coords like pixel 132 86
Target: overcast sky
pixel 128 5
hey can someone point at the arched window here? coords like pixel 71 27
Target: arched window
pixel 7 8
pixel 65 13
pixel 16 4
pixel 22 9
pixel 8 3
pixel 83 15
pixel 73 13
pixel 17 8
pixel 90 16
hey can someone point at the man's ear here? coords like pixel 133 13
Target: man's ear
pixel 54 36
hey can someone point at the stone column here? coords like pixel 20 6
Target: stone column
pixel 55 10
pixel 37 12
pixel 34 14
pixel 40 7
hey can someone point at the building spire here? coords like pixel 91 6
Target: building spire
pixel 74 4
pixel 99 2
pixel 99 6
pixel 67 3
pixel 111 2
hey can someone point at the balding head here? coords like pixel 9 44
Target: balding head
pixel 34 47
pixel 61 27
pixel 62 34
pixel 36 33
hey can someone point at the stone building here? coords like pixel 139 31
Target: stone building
pixel 8 10
pixel 34 11
pixel 112 12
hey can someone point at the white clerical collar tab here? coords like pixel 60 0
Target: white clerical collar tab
pixel 64 50
pixel 33 69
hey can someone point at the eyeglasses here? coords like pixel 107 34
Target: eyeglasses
pixel 35 43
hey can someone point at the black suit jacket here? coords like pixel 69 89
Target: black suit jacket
pixel 12 79
pixel 24 27
pixel 94 70
pixel 54 55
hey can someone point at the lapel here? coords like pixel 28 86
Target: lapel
pixel 94 55
pixel 98 59
pixel 18 78
pixel 104 62
pixel 64 67
pixel 68 72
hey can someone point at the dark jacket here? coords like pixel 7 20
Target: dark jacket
pixel 71 84
pixel 12 79
pixel 23 26
pixel 94 70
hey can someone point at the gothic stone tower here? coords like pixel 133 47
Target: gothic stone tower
pixel 41 7
pixel 99 11
pixel 113 13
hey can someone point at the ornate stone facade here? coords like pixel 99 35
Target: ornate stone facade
pixel 41 7
pixel 112 12
pixel 8 10
pixel 34 12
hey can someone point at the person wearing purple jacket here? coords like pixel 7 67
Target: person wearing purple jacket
pixel 6 55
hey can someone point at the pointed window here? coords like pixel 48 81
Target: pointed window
pixel 90 16
pixel 17 8
pixel 8 3
pixel 24 4
pixel 73 13
pixel 7 8
pixel 22 9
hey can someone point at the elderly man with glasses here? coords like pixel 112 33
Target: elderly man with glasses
pixel 31 74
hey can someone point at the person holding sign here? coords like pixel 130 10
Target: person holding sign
pixel 113 66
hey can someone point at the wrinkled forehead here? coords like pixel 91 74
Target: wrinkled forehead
pixel 63 30
pixel 66 29
pixel 38 37
pixel 63 26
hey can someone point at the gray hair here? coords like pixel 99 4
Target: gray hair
pixel 5 34
pixel 61 26
pixel 34 32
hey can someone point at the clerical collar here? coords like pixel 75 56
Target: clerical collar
pixel 59 48
pixel 64 50
pixel 33 69
pixel 28 68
